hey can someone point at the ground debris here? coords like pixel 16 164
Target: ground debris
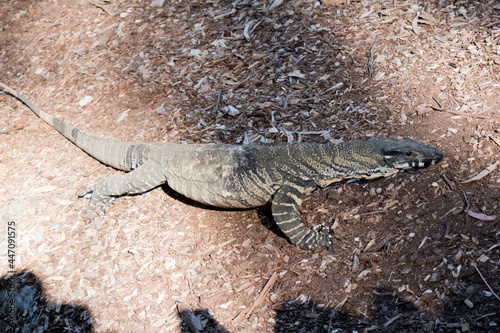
pixel 268 71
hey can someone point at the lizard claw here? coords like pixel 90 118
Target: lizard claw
pixel 97 202
pixel 84 193
pixel 324 236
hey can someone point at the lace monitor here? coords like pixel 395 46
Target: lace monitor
pixel 241 176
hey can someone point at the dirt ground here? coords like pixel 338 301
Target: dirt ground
pixel 418 251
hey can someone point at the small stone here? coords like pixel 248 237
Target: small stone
pixel 469 303
pixel 196 53
pixel 231 110
pixel 160 110
pixel 301 299
pixel 483 258
pixel 435 277
pixel 427 296
pixel 85 100
pixel 273 297
pixel 406 270
pixel 363 274
pixel 157 3
pixel 403 116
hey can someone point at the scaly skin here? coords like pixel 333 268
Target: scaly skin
pixel 242 176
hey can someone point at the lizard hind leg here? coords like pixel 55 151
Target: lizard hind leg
pixel 284 207
pixel 146 177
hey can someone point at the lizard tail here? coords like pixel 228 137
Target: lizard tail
pixel 51 120
pixel 107 152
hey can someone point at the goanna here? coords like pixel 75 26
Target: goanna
pixel 242 176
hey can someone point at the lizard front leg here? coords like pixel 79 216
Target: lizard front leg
pixel 284 207
pixel 146 177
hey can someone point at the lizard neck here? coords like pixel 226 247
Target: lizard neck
pixel 331 162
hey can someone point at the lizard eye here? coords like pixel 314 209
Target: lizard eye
pixel 409 153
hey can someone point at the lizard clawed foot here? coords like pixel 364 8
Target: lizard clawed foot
pixel 97 202
pixel 318 235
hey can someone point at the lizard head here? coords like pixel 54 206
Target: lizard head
pixel 406 153
pixel 372 159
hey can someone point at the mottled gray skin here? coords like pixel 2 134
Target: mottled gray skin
pixel 242 176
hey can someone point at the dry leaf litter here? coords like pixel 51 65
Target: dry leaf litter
pixel 408 254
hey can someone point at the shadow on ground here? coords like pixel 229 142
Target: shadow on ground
pixel 389 312
pixel 24 308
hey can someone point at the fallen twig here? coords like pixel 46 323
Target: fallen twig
pixel 492 24
pixel 216 62
pixel 393 319
pixel 486 282
pixel 341 304
pixel 455 113
pixel 248 312
pixel 447 231
pixel 100 7
pixel 275 269
pixel 483 173
pixel 449 182
pixel 334 310
pixel 218 100
pixel 495 140
pixel 466 209
pixel 369 64
pixel 237 85
pixel 221 16
pixel 383 211
pixel 437 101
pixel 486 315
pixel 381 244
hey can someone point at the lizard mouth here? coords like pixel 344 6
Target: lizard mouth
pixel 426 162
pixel 404 162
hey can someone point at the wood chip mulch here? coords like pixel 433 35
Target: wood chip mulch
pixel 414 252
